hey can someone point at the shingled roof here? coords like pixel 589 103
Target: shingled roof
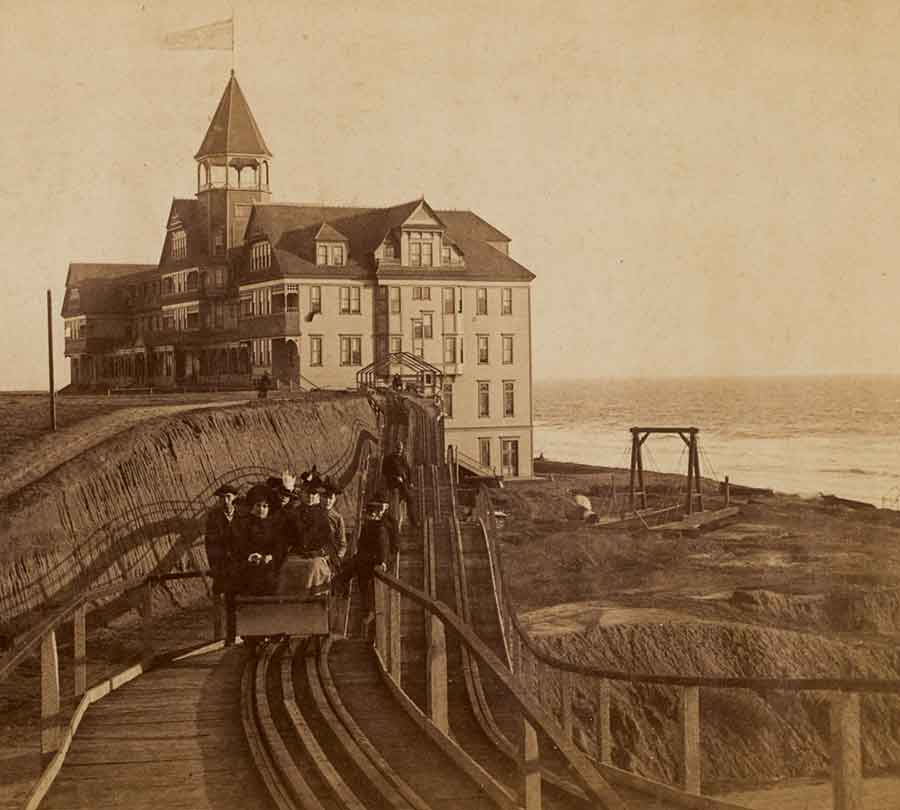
pixel 292 230
pixel 233 129
pixel 101 287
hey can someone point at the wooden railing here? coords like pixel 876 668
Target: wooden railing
pixel 56 731
pixel 537 723
pixel 558 683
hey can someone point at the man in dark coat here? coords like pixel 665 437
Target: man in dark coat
pixel 373 551
pixel 221 540
pixel 396 476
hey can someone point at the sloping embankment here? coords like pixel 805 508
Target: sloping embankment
pixel 133 505
pixel 747 736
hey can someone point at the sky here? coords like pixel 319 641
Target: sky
pixel 701 188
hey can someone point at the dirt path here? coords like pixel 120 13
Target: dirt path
pixel 45 453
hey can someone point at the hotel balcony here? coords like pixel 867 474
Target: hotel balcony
pixel 87 345
pixel 266 326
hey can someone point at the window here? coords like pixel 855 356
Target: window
pixel 315 299
pixel 350 300
pixel 337 255
pixel 481 301
pixel 445 255
pixel 351 351
pixel 417 328
pixel 179 245
pixel 447 400
pixel 321 254
pixel 420 249
pixel 484 398
pixel 396 344
pixel 483 349
pixel 426 254
pixel 315 350
pixel 449 301
pixel 389 250
pixel 421 293
pixel 220 275
pixel 260 255
pixel 484 452
pixel 219 242
pixel 427 325
pixel 395 300
pixel 261 352
pixel 449 349
pixel 507 349
pixel 506 301
pixel 509 398
pixel 415 254
pixel 193 280
pixel 510 451
pixel 246 306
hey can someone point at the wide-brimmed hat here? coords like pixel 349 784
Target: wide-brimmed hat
pixel 374 506
pixel 330 487
pixel 257 493
pixel 226 489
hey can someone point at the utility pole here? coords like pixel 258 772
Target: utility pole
pixel 50 359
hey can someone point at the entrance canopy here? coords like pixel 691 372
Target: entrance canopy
pixel 402 370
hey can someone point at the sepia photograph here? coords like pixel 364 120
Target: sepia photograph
pixel 474 405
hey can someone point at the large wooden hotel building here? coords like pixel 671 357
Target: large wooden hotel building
pixel 312 295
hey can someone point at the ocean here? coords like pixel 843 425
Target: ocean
pixel 832 434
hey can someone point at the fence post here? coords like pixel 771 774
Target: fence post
pixel 381 629
pixel 437 674
pixel 727 492
pixel 49 695
pixel 531 767
pixel 689 738
pixel 218 605
pixel 79 651
pixel 396 654
pixel 565 696
pixel 601 719
pixel 846 752
pixel 147 620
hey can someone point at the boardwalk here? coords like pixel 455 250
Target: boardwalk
pixel 173 738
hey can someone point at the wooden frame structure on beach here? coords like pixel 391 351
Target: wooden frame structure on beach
pixel 689 436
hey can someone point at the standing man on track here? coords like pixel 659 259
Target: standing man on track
pixel 221 539
pixel 396 476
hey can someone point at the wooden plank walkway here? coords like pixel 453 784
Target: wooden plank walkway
pixel 173 738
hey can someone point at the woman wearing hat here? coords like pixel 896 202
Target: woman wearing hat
pixel 259 547
pixel 220 538
pixel 306 536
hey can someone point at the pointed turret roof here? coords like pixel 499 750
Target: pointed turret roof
pixel 233 130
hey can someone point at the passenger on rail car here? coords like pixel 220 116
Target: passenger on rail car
pixel 373 551
pixel 306 534
pixel 260 548
pixel 396 476
pixel 282 488
pixel 221 540
pixel 335 521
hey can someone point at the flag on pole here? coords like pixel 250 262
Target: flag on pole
pixel 217 36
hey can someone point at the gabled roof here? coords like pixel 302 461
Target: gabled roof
pixel 81 272
pixel 328 234
pixel 102 287
pixel 233 129
pixel 188 214
pixel 293 229
pixel 468 223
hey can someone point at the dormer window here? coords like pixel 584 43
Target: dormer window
pixel 260 255
pixel 389 251
pixel 420 248
pixel 74 297
pixel 331 254
pixel 179 244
